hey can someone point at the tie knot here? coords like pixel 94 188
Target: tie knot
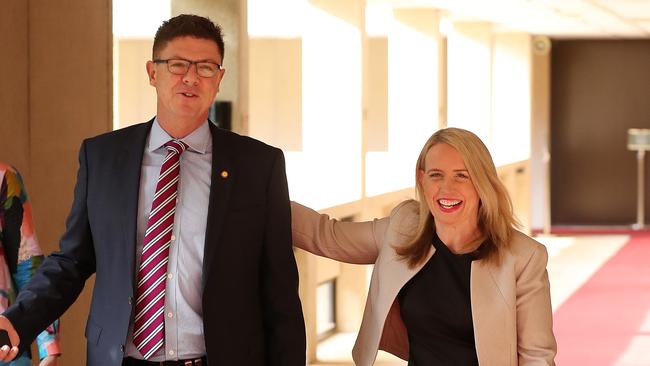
pixel 176 146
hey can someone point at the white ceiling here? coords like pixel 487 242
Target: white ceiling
pixel 555 18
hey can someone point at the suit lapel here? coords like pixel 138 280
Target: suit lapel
pixel 128 181
pixel 221 181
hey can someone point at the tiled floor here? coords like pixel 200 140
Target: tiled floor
pixel 336 351
pixel 605 321
pixel 572 260
pixel 637 352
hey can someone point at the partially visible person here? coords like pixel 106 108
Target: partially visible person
pixel 21 255
pixel 454 283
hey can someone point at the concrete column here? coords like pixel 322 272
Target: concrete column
pixel 413 99
pixel 135 97
pixel 275 91
pixel 511 97
pixel 331 105
pixel 375 118
pixel 70 98
pixel 510 129
pixel 14 97
pixel 540 135
pixel 59 92
pixel 469 70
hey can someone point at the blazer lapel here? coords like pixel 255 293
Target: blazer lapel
pixel 128 181
pixel 491 312
pixel 381 325
pixel 221 181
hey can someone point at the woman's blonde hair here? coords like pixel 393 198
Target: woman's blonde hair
pixel 496 219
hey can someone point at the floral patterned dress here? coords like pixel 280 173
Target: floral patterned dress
pixel 20 255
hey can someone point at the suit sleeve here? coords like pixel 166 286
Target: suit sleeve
pixel 283 319
pixel 56 284
pixel 536 343
pixel 350 242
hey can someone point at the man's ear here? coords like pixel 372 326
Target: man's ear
pixel 219 78
pixel 151 72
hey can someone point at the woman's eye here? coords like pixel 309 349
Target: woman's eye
pixel 435 175
pixel 462 176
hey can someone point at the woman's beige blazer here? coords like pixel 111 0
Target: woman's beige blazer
pixel 511 307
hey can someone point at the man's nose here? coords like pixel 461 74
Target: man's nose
pixel 191 76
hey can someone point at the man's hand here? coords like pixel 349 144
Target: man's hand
pixel 50 360
pixel 8 353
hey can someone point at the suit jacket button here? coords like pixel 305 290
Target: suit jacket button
pixel 122 348
pixel 130 300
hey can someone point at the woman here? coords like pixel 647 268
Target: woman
pixel 453 283
pixel 20 255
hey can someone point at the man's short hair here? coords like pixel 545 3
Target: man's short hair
pixel 187 25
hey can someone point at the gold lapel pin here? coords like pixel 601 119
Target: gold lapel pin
pixel 224 174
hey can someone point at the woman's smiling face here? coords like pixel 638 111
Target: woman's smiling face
pixel 448 187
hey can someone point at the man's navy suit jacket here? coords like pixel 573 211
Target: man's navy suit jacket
pixel 251 310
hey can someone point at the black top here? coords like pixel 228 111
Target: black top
pixel 436 309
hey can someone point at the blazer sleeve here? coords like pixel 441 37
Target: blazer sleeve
pixel 29 258
pixel 350 242
pixel 536 343
pixel 56 284
pixel 282 313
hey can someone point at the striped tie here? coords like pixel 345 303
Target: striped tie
pixel 149 323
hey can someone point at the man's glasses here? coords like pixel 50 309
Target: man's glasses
pixel 205 69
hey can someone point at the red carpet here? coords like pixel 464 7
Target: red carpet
pixel 597 323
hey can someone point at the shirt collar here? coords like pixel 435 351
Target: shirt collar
pixel 198 140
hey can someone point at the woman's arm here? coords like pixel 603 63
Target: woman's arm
pixel 536 343
pixel 350 242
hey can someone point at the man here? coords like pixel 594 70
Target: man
pixel 20 255
pixel 186 226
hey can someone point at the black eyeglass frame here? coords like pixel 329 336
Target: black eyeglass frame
pixel 166 61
